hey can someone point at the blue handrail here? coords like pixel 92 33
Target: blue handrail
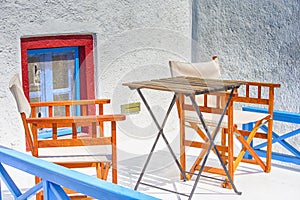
pixel 54 177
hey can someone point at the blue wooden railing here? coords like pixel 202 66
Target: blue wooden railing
pixel 288 117
pixel 54 177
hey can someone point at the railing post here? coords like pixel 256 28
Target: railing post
pixel 46 189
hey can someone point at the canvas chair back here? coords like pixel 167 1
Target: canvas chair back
pixel 205 70
pixel 17 91
pixel 23 107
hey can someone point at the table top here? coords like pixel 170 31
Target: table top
pixel 187 85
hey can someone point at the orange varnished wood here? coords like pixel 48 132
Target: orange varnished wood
pixel 70 102
pixel 114 149
pixel 191 143
pixel 188 85
pixel 74 142
pixel 226 148
pixel 33 124
pixel 45 122
pixel 191 86
pixel 180 103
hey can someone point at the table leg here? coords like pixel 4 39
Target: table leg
pixel 160 133
pixel 211 141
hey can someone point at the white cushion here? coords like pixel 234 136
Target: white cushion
pixel 76 154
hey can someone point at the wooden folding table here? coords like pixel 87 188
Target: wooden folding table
pixel 189 87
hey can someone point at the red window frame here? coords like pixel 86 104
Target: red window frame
pixel 86 59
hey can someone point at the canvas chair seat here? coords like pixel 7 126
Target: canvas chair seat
pixel 239 117
pixel 92 154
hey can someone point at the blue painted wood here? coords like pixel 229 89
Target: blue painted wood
pixel 68 178
pixel 57 192
pixel 280 157
pixel 36 188
pixel 248 127
pixel 54 191
pixel 47 133
pixel 51 50
pixel 47 92
pixel 46 59
pixel 47 193
pixel 77 80
pixel 280 139
pixel 281 116
pixel 15 191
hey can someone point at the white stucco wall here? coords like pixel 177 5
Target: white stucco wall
pixel 134 40
pixel 255 40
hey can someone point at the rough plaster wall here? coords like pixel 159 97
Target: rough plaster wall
pixel 133 40
pixel 255 40
pixel 129 35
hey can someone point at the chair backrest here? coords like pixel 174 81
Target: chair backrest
pixel 27 110
pixel 205 70
pixel 17 91
pixel 23 107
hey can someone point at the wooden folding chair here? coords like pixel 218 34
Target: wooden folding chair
pixel 211 106
pixel 87 146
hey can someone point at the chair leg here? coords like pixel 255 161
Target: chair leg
pixel 203 152
pixel 39 195
pixel 269 146
pixel 246 144
pixel 226 184
pixel 102 169
pixel 182 136
pixel 182 152
pixel 223 143
pixel 230 146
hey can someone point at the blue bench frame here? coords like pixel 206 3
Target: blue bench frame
pixel 55 176
pixel 281 116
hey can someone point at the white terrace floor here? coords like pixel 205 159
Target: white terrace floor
pixel 281 183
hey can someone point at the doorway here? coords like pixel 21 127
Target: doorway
pixel 53 75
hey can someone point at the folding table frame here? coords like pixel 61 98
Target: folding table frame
pixel 188 87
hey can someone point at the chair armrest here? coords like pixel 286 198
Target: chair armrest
pixel 256 98
pixel 87 139
pixel 70 102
